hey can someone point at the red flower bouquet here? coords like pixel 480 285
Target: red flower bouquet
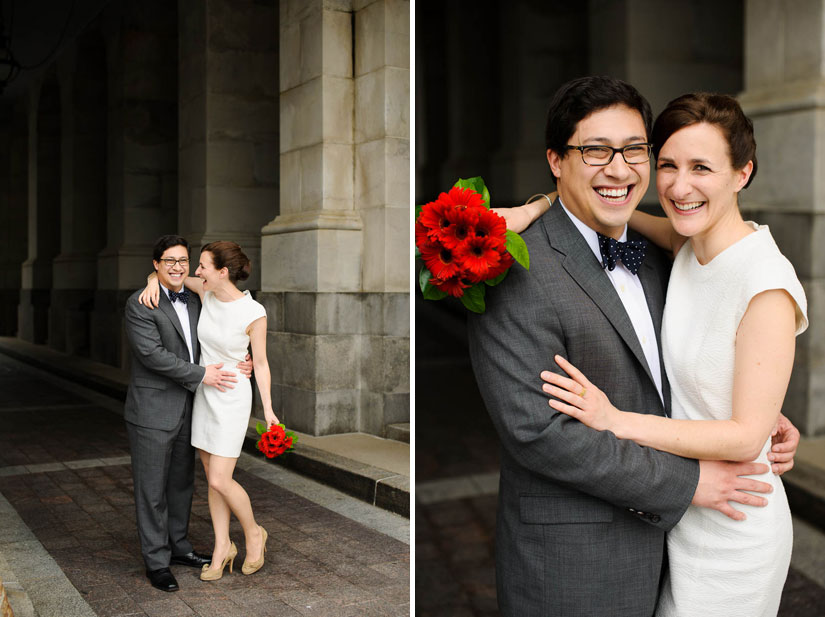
pixel 275 440
pixel 464 245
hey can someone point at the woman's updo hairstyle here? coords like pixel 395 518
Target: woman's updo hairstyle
pixel 229 255
pixel 719 110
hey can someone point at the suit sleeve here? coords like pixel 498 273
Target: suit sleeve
pixel 510 345
pixel 144 337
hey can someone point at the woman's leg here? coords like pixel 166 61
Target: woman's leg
pixel 219 512
pixel 220 479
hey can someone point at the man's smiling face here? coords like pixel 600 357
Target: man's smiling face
pixel 603 197
pixel 172 277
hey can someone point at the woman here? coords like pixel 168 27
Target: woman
pixel 229 321
pixel 734 306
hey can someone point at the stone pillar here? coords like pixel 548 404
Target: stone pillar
pixel 43 210
pixel 82 70
pixel 13 212
pixel 382 196
pixel 785 97
pixel 228 114
pixel 142 180
pixel 335 320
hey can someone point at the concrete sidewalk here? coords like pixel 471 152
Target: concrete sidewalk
pixel 370 468
pixel 68 540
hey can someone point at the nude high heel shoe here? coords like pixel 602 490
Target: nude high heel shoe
pixel 252 567
pixel 213 575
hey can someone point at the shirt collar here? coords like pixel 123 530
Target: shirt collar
pixel 589 234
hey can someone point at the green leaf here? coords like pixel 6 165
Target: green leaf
pixel 424 278
pixel 473 298
pixel 260 427
pixel 431 292
pixel 418 210
pixel 518 249
pixel 497 280
pixel 417 252
pixel 477 184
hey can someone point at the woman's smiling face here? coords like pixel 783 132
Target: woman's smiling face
pixel 695 180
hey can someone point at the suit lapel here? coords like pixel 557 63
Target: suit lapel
pixel 581 264
pixel 169 311
pixel 192 307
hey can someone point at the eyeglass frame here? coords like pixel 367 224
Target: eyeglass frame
pixel 183 261
pixel 581 149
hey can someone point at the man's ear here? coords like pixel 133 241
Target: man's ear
pixel 156 264
pixel 554 160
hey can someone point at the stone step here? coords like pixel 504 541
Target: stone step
pixel 398 432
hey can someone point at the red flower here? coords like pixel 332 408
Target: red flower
pixel 433 217
pixel 478 255
pixel 463 226
pixel 439 260
pixel 491 225
pixel 454 286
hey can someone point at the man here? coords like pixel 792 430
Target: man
pixel 158 413
pixel 582 515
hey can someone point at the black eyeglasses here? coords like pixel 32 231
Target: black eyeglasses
pixel 170 262
pixel 633 154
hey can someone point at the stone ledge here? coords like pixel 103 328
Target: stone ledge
pixel 805 488
pixel 379 487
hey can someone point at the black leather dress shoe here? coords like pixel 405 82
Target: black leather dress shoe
pixel 194 559
pixel 162 579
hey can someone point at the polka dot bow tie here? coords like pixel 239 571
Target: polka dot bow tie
pixel 180 296
pixel 630 253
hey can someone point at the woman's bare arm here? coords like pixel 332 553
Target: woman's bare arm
pixel 658 230
pixel 257 337
pixel 765 343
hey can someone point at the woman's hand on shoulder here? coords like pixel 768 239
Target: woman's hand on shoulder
pixel 520 218
pixel 150 296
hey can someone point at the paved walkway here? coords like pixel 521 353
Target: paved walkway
pixel 68 543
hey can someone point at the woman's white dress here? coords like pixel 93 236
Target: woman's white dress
pixel 719 566
pixel 220 419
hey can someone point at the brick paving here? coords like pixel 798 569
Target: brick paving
pixel 455 548
pixel 59 469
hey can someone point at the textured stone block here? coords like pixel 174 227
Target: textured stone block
pixel 337 362
pixel 240 208
pixel 320 260
pixel 386 249
pixel 323 313
pixel 289 55
pixel 763 43
pixel 233 117
pixel 230 163
pixel 301 121
pixel 382 35
pixel 290 182
pixel 336 38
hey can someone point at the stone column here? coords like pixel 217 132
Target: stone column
pixel 311 252
pixel 382 193
pixel 82 70
pixel 336 258
pixel 142 135
pixel 43 209
pixel 785 97
pixel 13 213
pixel 228 113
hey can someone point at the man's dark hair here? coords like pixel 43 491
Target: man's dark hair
pixel 579 98
pixel 165 242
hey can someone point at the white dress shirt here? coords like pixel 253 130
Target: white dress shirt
pixel 632 295
pixel 183 314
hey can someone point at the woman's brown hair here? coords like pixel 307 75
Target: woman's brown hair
pixel 229 255
pixel 719 110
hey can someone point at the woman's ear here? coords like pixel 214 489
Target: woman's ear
pixel 743 175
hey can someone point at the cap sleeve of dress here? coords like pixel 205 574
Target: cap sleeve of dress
pixel 776 272
pixel 254 310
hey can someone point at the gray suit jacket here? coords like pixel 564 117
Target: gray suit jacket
pixel 582 515
pixel 162 377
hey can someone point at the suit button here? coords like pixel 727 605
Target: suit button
pixel 631 510
pixel 655 518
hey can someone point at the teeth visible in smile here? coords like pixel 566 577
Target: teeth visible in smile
pixel 688 206
pixel 617 194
